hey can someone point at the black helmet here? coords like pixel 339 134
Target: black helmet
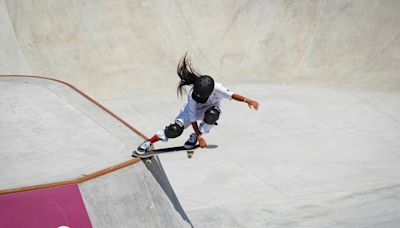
pixel 202 89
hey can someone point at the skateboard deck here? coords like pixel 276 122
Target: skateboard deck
pixel 189 152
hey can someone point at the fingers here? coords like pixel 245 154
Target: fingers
pixel 253 104
pixel 202 142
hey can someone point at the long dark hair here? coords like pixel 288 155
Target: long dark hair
pixel 187 74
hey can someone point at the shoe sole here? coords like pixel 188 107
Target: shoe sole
pixel 188 147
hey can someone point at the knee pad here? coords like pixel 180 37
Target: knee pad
pixel 212 115
pixel 174 130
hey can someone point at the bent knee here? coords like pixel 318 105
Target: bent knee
pixel 174 130
pixel 212 115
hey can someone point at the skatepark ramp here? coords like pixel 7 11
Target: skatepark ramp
pixel 65 162
pixel 322 150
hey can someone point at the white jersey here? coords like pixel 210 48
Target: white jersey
pixel 195 111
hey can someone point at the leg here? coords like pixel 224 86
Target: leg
pixel 205 128
pixel 182 120
pixel 210 120
pixel 172 131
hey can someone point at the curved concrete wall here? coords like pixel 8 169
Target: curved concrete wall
pixel 117 48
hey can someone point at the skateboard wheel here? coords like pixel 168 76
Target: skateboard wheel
pixel 190 153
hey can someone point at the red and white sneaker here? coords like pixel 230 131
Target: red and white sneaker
pixel 143 148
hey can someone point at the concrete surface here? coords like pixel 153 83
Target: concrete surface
pixel 114 201
pixel 114 49
pixel 52 133
pixel 310 157
pixel 322 151
pixel 47 127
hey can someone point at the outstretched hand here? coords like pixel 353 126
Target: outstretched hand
pixel 252 104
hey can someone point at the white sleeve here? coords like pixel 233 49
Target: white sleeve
pixel 223 92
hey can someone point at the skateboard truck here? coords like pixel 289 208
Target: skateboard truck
pixel 189 153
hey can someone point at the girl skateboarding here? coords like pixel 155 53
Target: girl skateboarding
pixel 202 104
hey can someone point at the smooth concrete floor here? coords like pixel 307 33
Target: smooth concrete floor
pixel 309 157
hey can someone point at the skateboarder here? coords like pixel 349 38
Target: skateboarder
pixel 202 104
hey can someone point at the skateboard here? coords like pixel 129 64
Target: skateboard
pixel 149 154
